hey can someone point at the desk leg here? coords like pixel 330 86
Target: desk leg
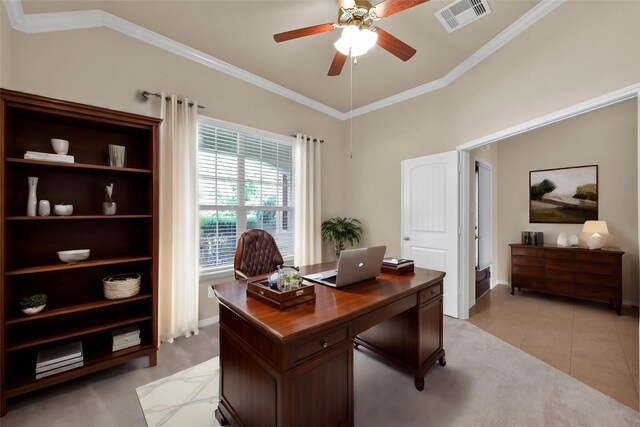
pixel 419 382
pixel 220 417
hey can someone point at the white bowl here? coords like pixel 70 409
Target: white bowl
pixel 63 210
pixel 33 310
pixel 60 146
pixel 74 255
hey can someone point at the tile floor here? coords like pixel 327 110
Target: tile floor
pixel 584 339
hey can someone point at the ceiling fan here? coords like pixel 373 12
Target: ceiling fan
pixel 356 18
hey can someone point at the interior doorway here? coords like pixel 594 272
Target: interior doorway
pixel 482 225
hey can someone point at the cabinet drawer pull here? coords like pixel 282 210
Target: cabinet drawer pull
pixel 324 344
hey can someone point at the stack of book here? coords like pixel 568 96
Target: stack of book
pixel 49 157
pixel 397 265
pixel 59 359
pixel 125 337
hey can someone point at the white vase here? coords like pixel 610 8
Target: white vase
pixel 44 208
pixel 573 240
pixel 562 240
pixel 32 201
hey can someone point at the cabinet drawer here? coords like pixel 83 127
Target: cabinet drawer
pixel 430 293
pixel 527 261
pixel 527 272
pixel 559 264
pixel 564 276
pixel 527 282
pixel 536 252
pixel 560 254
pixel 596 292
pixel 567 288
pixel 319 343
pixel 600 258
pixel 601 269
pixel 597 280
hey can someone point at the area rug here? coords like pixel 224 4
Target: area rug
pixel 187 398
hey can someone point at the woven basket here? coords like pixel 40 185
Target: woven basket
pixel 121 286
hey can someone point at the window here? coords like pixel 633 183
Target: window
pixel 245 181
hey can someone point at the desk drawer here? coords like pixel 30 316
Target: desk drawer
pixel 430 293
pixel 319 343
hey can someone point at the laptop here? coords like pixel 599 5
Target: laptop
pixel 354 265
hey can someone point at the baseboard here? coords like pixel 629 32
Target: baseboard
pixel 499 282
pixel 210 321
pixel 630 303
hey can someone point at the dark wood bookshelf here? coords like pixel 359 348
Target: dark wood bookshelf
pixel 123 243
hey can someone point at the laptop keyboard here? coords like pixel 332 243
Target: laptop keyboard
pixel 330 279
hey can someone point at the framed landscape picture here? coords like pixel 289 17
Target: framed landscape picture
pixel 565 195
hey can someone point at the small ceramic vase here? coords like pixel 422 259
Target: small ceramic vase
pixel 562 240
pixel 44 208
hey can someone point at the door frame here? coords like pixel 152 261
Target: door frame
pixel 465 266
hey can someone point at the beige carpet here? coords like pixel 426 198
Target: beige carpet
pixel 486 382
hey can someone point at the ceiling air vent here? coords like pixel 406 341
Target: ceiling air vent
pixel 462 12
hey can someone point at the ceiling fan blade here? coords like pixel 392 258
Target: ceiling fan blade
pixel 391 7
pixel 302 32
pixel 337 64
pixel 346 4
pixel 394 45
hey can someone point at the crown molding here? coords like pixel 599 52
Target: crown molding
pixel 512 31
pixel 605 100
pixel 73 20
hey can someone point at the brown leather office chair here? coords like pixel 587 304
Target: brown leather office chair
pixel 257 253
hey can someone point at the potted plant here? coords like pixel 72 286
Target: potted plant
pixel 340 230
pixel 33 304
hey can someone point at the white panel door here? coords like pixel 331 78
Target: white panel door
pixel 430 218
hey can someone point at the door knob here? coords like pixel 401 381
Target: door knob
pixel 405 238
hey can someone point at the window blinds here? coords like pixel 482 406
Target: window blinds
pixel 246 181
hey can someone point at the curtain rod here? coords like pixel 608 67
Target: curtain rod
pixel 146 95
pixel 321 141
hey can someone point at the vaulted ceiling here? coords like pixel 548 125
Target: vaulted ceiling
pixel 241 33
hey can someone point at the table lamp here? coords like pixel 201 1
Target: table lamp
pixel 597 229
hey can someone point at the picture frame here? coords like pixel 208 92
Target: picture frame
pixel 563 195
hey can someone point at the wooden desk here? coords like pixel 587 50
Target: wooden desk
pixel 294 367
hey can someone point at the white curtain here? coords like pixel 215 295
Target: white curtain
pixel 307 248
pixel 179 240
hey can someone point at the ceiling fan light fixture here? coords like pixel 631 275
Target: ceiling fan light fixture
pixel 355 41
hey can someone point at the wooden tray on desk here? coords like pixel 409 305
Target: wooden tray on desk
pixel 261 291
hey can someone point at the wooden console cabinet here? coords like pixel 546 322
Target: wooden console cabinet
pixel 575 272
pixel 126 242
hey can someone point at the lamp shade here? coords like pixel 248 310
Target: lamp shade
pixel 599 227
pixel 355 41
